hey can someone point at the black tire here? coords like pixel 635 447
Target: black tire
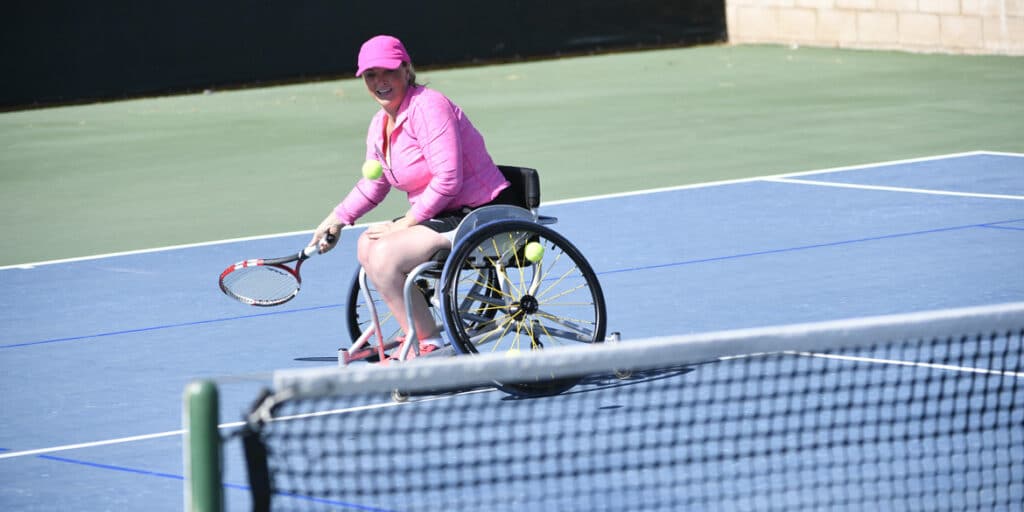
pixel 565 306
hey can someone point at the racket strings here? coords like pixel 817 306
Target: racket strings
pixel 261 284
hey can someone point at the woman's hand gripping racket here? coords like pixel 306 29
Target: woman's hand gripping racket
pixel 267 282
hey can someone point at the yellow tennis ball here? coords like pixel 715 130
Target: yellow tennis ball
pixel 534 251
pixel 372 170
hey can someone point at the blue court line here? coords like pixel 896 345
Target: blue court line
pixel 169 326
pixel 987 225
pixel 113 468
pixel 181 478
pixel 991 225
pixel 1009 228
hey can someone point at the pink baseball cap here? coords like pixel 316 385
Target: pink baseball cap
pixel 382 52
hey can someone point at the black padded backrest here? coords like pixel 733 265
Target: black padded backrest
pixel 524 190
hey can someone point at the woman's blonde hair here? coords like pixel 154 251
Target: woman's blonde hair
pixel 412 74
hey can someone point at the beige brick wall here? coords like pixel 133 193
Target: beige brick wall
pixel 934 26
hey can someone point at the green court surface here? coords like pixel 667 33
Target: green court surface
pixel 84 180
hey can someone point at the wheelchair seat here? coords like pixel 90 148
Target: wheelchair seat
pixel 524 190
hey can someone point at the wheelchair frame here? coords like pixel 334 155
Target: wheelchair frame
pixel 520 212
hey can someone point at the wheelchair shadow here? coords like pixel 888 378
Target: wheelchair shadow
pixel 607 381
pixel 589 384
pixel 318 359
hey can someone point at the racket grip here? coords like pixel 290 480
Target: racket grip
pixel 315 248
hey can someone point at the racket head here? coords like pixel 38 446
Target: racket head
pixel 261 282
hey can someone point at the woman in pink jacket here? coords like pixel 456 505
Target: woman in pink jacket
pixel 428 149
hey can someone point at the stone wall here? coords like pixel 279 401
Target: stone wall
pixel 932 26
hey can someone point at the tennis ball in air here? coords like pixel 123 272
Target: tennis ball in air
pixel 372 169
pixel 534 251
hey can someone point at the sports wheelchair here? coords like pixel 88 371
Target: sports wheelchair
pixel 486 295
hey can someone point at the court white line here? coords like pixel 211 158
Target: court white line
pixel 896 362
pixel 28 266
pixel 54 449
pixel 222 426
pixel 893 189
pixel 780 176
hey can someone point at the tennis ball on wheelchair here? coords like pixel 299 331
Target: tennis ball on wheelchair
pixel 534 251
pixel 372 170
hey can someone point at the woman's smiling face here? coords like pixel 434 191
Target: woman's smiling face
pixel 387 86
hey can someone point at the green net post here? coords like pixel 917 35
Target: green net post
pixel 203 488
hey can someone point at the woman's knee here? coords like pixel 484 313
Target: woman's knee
pixel 379 257
pixel 366 252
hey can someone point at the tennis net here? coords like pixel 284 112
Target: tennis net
pixel 920 411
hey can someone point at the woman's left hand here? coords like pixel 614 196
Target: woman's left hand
pixel 378 231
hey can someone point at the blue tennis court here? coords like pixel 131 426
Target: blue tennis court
pixel 96 352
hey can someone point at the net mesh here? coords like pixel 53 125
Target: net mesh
pixel 916 412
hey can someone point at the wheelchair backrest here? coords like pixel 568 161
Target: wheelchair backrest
pixel 524 190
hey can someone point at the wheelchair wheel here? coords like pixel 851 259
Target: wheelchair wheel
pixel 528 305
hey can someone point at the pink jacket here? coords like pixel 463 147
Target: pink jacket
pixel 436 156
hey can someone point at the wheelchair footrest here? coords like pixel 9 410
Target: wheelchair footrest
pixel 367 352
pixel 446 351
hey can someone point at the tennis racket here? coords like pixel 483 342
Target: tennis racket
pixel 266 282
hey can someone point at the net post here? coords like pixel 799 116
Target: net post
pixel 202 446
